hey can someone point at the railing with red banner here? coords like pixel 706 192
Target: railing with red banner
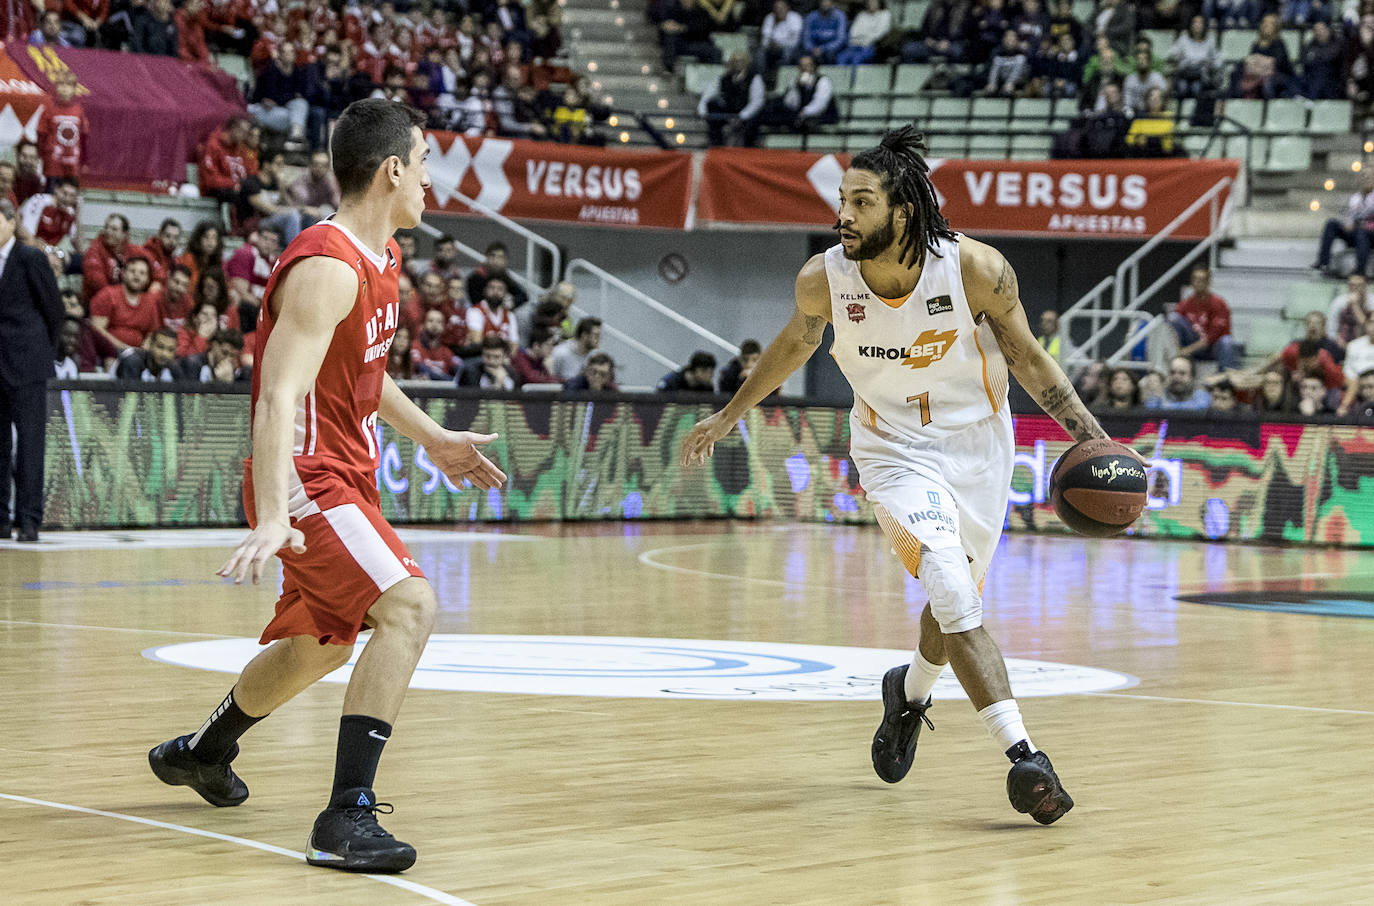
pixel 1122 199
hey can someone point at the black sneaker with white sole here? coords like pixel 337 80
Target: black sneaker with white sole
pixel 1033 787
pixel 347 836
pixel 894 745
pixel 174 763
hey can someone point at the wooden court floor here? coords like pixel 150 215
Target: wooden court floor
pixel 1230 762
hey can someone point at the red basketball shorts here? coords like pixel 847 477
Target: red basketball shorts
pixel 351 557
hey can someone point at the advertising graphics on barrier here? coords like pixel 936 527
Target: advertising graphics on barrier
pixel 117 458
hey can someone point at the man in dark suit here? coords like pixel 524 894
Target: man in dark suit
pixel 30 322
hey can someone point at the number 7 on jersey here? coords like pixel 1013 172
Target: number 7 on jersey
pixel 923 400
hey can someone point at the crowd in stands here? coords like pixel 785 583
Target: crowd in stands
pixel 1327 372
pixel 1125 86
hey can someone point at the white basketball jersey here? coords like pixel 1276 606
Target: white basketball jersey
pixel 920 367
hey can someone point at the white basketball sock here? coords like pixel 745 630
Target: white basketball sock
pixel 1003 720
pixel 920 679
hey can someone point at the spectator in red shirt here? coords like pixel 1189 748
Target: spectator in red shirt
pixel 92 351
pixel 532 364
pixel 229 26
pixel 53 218
pixel 83 19
pixel 431 358
pixel 227 162
pixel 103 263
pixel 1306 358
pixel 247 271
pixel 176 299
pixel 445 261
pixel 492 316
pixel 193 337
pixel 28 174
pixel 1203 323
pixel 63 132
pixel 495 266
pixel 191 46
pixel 161 249
pixel 126 314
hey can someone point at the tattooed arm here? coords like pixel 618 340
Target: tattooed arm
pixel 990 284
pixel 788 352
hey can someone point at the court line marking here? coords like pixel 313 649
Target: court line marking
pixel 198 635
pixel 1214 701
pixel 429 893
pixel 647 558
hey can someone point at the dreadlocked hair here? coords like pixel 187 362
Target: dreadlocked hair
pixel 899 160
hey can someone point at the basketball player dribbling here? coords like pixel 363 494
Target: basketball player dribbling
pixel 328 317
pixel 927 322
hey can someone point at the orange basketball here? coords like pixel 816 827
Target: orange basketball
pixel 1098 487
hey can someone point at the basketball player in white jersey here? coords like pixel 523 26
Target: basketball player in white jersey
pixel 927 323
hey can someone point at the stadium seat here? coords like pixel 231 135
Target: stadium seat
pixel 1161 38
pixel 1198 144
pixel 1032 111
pixel 788 74
pixel 992 146
pixel 788 141
pixel 1292 41
pixel 1237 147
pixel 1329 117
pixel 1245 113
pixel 235 66
pixel 1289 153
pixel 990 113
pixel 1284 115
pixel 949 111
pixel 697 76
pixel 868 112
pixel 1030 147
pixel 911 78
pixel 1235 44
pixel 907 109
pixel 729 42
pixel 861 141
pixel 912 14
pixel 1185 109
pixel 947 146
pixel 873 78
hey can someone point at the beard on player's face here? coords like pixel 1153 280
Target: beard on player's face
pixel 871 245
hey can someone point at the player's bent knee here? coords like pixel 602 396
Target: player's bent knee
pixel 409 606
pixel 954 599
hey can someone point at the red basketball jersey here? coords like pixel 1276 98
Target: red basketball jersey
pixel 336 422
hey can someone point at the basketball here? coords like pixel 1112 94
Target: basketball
pixel 1098 487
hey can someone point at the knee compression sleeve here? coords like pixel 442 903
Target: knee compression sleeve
pixel 954 599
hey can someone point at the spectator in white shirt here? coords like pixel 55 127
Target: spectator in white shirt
pixel 1359 358
pixel 570 355
pixel 732 104
pixel 68 340
pixel 779 40
pixel 869 27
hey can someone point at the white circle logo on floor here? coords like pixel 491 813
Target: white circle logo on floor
pixel 660 668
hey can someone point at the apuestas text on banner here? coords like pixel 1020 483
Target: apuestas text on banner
pixel 1126 199
pixel 549 181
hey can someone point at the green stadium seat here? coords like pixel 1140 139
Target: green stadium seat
pixel 1197 143
pixel 729 42
pixel 990 112
pixel 1032 110
pixel 1084 11
pixel 868 112
pixel 912 14
pixel 697 76
pixel 873 78
pixel 949 111
pixel 1265 336
pixel 1030 147
pixel 1329 117
pixel 1161 38
pixel 235 66
pixel 954 146
pixel 1288 154
pixel 788 74
pixel 1235 44
pixel 1246 113
pixel 906 109
pixel 1292 41
pixel 911 78
pixel 861 141
pixel 1236 147
pixel 1185 109
pixel 1285 115
pixel 1312 295
pixel 988 146
pixel 785 141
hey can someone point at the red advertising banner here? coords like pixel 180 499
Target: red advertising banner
pixel 548 181
pixel 1121 199
pixel 146 113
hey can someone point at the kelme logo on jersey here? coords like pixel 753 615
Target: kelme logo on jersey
pixel 940 305
pixel 929 347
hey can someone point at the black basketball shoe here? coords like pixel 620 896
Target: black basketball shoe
pixel 348 837
pixel 174 763
pixel 894 745
pixel 1033 787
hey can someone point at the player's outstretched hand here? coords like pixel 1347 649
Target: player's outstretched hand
pixel 701 440
pixel 250 557
pixel 457 455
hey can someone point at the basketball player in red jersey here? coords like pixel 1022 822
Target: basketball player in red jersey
pixel 328 317
pixel 930 432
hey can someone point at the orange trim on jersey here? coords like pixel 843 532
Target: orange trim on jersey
pixel 987 387
pixel 866 412
pixel 894 303
pixel 903 542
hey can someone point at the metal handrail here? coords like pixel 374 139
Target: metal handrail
pixel 1127 298
pixel 607 279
